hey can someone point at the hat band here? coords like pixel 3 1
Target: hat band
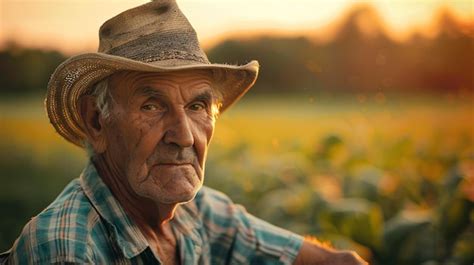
pixel 168 55
pixel 171 45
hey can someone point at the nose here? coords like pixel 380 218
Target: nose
pixel 179 131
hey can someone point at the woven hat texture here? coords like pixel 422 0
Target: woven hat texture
pixel 154 37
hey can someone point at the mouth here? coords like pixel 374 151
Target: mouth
pixel 173 164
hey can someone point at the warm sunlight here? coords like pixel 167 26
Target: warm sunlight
pixel 357 132
pixel 72 26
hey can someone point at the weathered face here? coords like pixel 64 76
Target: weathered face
pixel 158 132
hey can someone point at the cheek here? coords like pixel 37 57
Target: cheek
pixel 209 129
pixel 204 129
pixel 141 140
pixel 149 134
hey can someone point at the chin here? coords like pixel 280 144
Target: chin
pixel 185 196
pixel 170 185
pixel 184 199
pixel 176 199
pixel 166 196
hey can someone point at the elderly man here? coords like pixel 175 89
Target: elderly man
pixel 145 107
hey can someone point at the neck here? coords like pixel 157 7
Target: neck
pixel 151 217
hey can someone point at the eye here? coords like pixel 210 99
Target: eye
pixel 150 107
pixel 197 106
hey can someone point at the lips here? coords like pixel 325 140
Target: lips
pixel 174 164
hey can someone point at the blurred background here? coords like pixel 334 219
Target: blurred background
pixel 359 130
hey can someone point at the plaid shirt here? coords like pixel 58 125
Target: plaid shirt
pixel 86 224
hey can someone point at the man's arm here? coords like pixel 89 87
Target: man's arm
pixel 315 253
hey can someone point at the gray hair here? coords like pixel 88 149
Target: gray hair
pixel 103 98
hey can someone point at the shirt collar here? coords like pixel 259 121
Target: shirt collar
pixel 128 236
pixel 187 221
pixel 187 225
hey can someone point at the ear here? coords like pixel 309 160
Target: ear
pixel 93 123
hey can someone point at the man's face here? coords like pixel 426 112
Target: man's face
pixel 158 132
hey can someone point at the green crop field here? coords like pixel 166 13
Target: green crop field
pixel 389 177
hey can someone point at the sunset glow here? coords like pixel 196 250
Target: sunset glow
pixel 72 25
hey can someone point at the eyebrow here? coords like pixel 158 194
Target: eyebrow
pixel 205 96
pixel 150 92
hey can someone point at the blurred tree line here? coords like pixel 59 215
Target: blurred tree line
pixel 361 58
pixel 26 71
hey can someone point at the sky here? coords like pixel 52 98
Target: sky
pixel 72 25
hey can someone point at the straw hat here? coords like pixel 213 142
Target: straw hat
pixel 154 37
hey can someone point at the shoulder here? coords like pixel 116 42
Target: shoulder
pixel 215 205
pixel 219 215
pixel 60 233
pixel 241 237
pixel 209 196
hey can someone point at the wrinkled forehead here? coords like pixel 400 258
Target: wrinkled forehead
pixel 127 82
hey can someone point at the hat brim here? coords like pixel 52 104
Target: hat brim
pixel 75 76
